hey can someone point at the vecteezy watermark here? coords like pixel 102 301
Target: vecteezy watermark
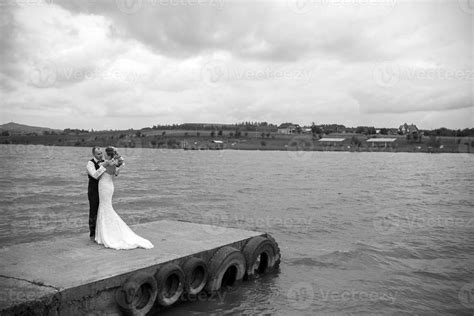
pixel 388 222
pixel 58 221
pixel 129 6
pixel 214 222
pixel 134 219
pixel 300 148
pixel 25 3
pixel 466 6
pixel 17 295
pixel 216 72
pixel 390 74
pixel 132 292
pixel 43 75
pixel 357 295
pixel 305 6
pixel 36 151
pixel 301 295
pixel 219 219
pixel 466 295
pixel 466 145
pixel 217 296
pixel 46 75
pixel 131 146
pixel 134 6
pixel 301 224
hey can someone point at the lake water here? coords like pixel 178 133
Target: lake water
pixel 360 233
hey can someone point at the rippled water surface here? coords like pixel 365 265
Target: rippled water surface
pixel 360 233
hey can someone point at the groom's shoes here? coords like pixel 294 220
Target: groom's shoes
pixel 92 238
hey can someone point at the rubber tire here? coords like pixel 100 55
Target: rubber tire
pixel 162 276
pixel 189 269
pixel 277 249
pixel 223 259
pixel 254 248
pixel 131 287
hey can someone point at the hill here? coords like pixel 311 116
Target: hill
pixel 21 129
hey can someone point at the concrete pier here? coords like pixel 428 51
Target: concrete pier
pixel 74 276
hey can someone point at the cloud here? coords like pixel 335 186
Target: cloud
pixel 387 103
pixel 122 64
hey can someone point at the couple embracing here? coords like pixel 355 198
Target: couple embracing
pixel 105 225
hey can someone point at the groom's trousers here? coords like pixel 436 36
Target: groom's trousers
pixel 93 194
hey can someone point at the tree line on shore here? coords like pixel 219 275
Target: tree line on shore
pixel 264 128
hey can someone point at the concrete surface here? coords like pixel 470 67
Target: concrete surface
pixel 77 267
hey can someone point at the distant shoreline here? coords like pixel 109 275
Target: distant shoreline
pixel 295 142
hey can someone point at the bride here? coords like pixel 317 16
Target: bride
pixel 111 230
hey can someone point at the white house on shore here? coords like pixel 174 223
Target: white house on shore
pixel 287 128
pixel 408 129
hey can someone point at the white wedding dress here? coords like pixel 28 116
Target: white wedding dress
pixel 111 230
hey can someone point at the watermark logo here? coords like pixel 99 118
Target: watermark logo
pixel 9 295
pixel 466 6
pixel 386 75
pixel 213 221
pixel 132 292
pixel 85 5
pixel 357 295
pixel 218 4
pixel 130 146
pixel 305 6
pixel 300 6
pixel 43 75
pixel 466 145
pixel 217 296
pixel 466 295
pixel 48 74
pixel 36 156
pixel 129 6
pixel 102 73
pixel 300 148
pixel 58 221
pixel 133 6
pixel 386 222
pixel 25 3
pixel 301 224
pixel 301 295
pixel 36 152
pixel 214 72
pixel 134 219
pixel 390 74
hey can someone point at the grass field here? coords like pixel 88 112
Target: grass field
pixel 199 140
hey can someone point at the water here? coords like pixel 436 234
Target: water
pixel 360 233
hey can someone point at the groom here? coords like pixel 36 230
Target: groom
pixel 94 171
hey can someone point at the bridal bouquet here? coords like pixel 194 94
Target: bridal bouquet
pixel 118 160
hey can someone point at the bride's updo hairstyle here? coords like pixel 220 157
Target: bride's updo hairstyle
pixel 110 151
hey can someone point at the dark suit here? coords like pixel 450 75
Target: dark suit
pixel 93 195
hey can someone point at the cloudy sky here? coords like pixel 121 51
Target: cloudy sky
pixel 116 64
